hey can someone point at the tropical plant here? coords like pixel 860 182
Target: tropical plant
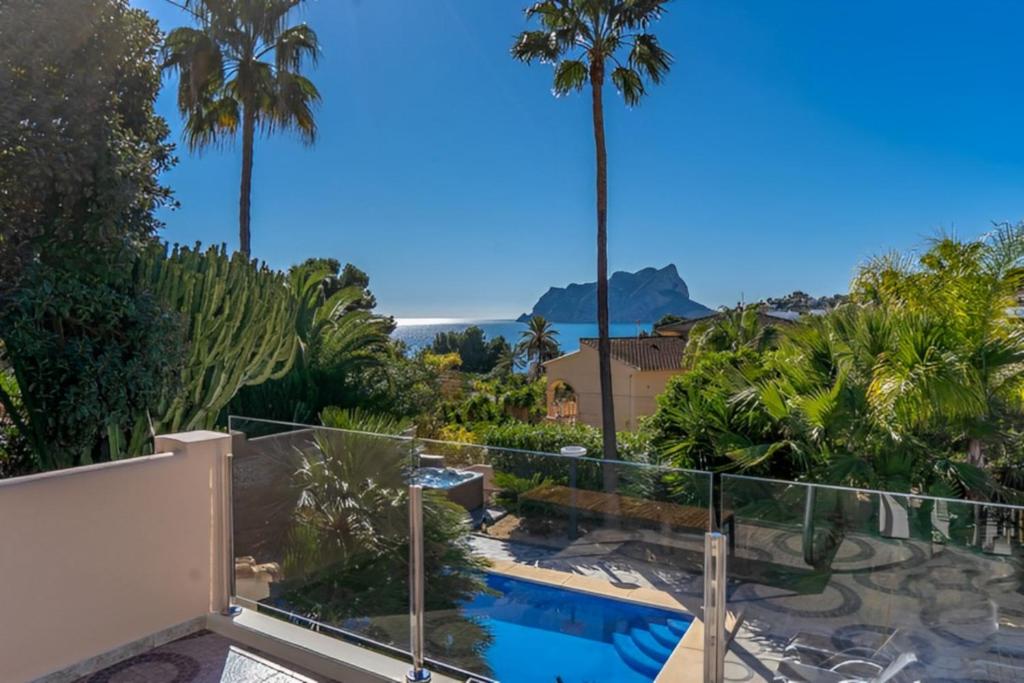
pixel 240 67
pixel 972 286
pixel 825 405
pixel 731 330
pixel 538 344
pixel 350 540
pixel 580 38
pixel 339 339
pixel 239 320
pixel 360 420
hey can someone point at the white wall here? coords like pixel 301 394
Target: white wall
pixel 96 557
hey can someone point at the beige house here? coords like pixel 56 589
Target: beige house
pixel 641 366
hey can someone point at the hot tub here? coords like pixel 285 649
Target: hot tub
pixel 462 487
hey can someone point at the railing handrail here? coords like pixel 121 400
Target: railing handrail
pixel 460 444
pixel 875 492
pixel 631 463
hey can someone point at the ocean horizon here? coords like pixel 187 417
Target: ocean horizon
pixel 418 333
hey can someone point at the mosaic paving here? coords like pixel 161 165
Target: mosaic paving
pixel 203 657
pixel 958 612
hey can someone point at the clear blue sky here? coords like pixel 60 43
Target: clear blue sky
pixel 791 140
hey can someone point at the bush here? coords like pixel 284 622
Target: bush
pixel 550 437
pixel 93 359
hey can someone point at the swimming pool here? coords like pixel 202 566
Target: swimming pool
pixel 547 634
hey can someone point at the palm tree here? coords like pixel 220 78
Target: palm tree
pixel 732 329
pixel 973 286
pixel 538 343
pixel 241 67
pixel 580 37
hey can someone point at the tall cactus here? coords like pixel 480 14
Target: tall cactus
pixel 239 319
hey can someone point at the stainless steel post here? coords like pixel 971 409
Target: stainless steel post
pixel 573 452
pixel 810 501
pixel 416 589
pixel 228 510
pixel 715 548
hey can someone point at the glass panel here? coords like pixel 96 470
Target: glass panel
pixel 538 566
pixel 321 528
pixel 835 583
pixel 578 569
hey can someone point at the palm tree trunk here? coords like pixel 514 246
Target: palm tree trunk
pixel 245 195
pixel 604 348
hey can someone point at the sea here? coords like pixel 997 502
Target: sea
pixel 418 333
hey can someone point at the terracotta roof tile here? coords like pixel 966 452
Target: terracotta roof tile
pixel 646 353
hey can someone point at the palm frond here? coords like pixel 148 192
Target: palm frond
pixel 629 84
pixel 570 74
pixel 541 46
pixel 293 45
pixel 648 57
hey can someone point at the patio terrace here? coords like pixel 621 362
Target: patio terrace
pixel 123 570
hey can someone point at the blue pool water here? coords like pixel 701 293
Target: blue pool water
pixel 543 634
pixel 441 477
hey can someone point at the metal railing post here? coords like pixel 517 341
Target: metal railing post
pixel 714 606
pixel 417 674
pixel 230 609
pixel 573 452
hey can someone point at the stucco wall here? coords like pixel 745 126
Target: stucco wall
pixel 96 557
pixel 633 392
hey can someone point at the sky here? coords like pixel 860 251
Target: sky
pixel 791 141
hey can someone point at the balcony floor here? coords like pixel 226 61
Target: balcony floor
pixel 202 657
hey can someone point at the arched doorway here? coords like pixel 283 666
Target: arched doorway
pixel 562 405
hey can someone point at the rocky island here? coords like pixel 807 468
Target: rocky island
pixel 643 296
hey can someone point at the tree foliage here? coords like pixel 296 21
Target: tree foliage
pixel 81 148
pixel 477 353
pixel 577 37
pixel 92 359
pixel 910 388
pixel 241 67
pixel 538 344
pixel 340 341
pixel 81 151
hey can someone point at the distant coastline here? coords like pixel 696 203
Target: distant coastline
pixel 418 333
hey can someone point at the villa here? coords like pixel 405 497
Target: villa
pixel 641 366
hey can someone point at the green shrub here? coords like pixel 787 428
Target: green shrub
pixel 550 437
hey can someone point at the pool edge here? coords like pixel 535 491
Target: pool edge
pixel 684 665
pixel 648 597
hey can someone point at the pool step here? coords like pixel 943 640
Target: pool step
pixel 636 658
pixel 663 634
pixel 678 626
pixel 650 645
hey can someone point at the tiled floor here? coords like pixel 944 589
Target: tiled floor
pixel 203 657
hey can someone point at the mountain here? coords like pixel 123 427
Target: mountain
pixel 643 296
